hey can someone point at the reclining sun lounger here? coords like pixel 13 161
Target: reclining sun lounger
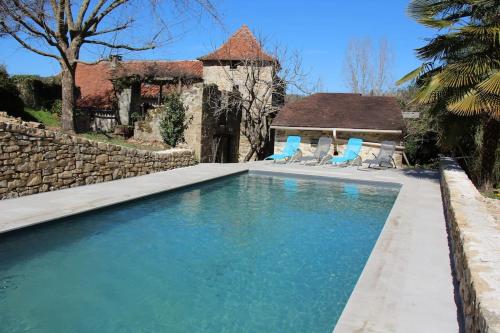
pixel 291 148
pixel 351 153
pixel 322 149
pixel 384 157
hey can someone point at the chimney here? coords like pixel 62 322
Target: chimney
pixel 115 60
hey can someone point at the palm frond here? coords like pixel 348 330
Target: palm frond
pixel 414 74
pixel 485 33
pixel 442 46
pixel 491 85
pixel 473 103
pixel 438 13
pixel 436 23
pixel 429 92
pixel 462 63
pixel 469 72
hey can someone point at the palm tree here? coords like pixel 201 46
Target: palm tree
pixel 460 70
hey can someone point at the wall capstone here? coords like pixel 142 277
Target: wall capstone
pixel 475 241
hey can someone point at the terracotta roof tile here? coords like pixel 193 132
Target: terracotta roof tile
pixel 241 46
pixel 335 110
pixel 190 69
pixel 96 89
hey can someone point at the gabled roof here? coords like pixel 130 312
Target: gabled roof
pixel 336 110
pixel 96 89
pixel 242 45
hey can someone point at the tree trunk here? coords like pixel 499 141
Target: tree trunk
pixel 68 98
pixel 491 136
pixel 249 155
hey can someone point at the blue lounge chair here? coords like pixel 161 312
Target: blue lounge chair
pixel 351 153
pixel 291 148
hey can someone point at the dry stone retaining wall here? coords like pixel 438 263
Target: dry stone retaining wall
pixel 475 240
pixel 34 160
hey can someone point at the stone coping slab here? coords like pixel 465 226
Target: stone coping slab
pixel 406 285
pixel 38 208
pixel 475 237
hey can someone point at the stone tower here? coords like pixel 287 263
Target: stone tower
pixel 228 68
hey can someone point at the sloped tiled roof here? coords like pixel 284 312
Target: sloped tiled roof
pixel 241 46
pixel 96 89
pixel 189 69
pixel 336 110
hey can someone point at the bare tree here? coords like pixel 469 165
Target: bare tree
pixel 381 82
pixel 260 82
pixel 367 71
pixel 60 28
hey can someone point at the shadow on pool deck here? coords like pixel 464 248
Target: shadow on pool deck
pixel 422 174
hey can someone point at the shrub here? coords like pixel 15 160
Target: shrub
pixel 56 107
pixel 174 121
pixel 9 96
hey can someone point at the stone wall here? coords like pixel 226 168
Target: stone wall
pixel 192 98
pixel 474 228
pixel 224 77
pixel 309 139
pixel 34 160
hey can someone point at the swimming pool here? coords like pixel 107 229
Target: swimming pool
pixel 248 253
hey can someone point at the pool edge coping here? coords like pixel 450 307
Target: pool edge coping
pixel 122 200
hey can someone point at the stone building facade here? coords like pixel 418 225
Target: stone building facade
pixel 205 86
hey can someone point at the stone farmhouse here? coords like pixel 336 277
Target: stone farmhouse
pixel 136 90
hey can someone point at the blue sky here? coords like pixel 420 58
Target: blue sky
pixel 319 30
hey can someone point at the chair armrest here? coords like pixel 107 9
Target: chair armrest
pixel 360 159
pixel 325 159
pixel 296 157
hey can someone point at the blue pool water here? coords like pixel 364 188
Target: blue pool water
pixel 246 253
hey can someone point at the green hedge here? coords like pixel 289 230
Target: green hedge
pixel 37 92
pixel 9 95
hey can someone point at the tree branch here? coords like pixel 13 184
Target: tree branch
pixel 32 16
pixel 90 62
pixel 81 13
pixel 118 46
pixel 95 18
pixel 107 31
pixel 69 15
pixel 25 45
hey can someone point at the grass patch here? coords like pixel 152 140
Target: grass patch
pixel 51 120
pixel 494 194
pixel 116 140
pixel 45 117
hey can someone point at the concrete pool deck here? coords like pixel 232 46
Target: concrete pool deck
pixel 406 285
pixel 38 208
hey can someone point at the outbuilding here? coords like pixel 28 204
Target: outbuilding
pixel 342 116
